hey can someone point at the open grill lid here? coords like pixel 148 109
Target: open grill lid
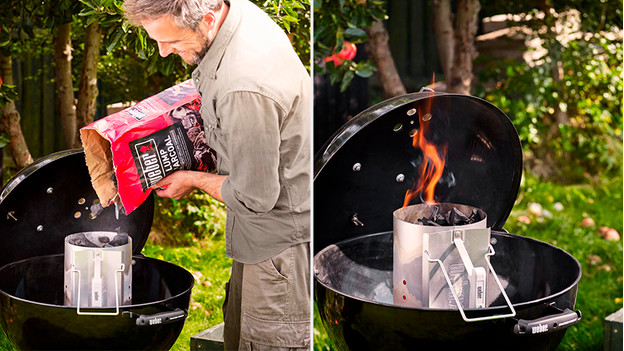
pixel 52 198
pixel 362 174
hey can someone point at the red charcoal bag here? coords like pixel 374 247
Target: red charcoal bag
pixel 129 151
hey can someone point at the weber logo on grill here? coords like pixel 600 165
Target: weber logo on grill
pixel 540 328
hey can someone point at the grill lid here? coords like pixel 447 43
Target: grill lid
pixel 362 174
pixel 52 198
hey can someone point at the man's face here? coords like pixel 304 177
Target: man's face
pixel 171 38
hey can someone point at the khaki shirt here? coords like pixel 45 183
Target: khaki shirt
pixel 256 109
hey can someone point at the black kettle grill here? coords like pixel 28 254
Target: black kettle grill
pixel 361 176
pixel 39 206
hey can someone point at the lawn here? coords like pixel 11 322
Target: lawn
pixel 207 262
pixel 557 215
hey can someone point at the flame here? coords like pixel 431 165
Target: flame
pixel 434 158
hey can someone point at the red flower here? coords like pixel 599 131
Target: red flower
pixel 347 53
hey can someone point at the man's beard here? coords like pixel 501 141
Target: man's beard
pixel 197 56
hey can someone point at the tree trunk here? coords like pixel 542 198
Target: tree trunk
pixel 466 20
pixel 10 120
pixel 378 50
pixel 443 29
pixel 64 83
pixel 87 88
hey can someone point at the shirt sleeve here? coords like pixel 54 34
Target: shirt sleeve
pixel 250 123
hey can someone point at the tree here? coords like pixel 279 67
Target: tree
pixel 455 37
pixel 87 87
pixel 378 49
pixel 10 122
pixel 10 26
pixel 64 83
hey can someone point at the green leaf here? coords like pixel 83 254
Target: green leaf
pixel 346 80
pixel 115 40
pixel 356 34
pixel 364 70
pixel 4 140
pixel 167 66
pixel 290 18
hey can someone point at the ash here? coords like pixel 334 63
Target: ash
pixel 453 217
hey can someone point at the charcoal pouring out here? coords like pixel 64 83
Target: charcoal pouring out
pixel 453 217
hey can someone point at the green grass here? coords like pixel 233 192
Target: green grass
pixel 207 262
pixel 600 288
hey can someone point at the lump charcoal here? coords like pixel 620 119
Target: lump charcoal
pixel 96 209
pixel 81 240
pixel 104 239
pixel 474 216
pixel 427 221
pixel 456 217
pixel 453 217
pixel 118 240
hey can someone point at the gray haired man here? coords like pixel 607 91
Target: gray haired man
pixel 256 109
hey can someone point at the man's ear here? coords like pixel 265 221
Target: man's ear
pixel 210 19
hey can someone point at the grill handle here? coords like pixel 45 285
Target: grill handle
pixel 547 324
pixel 158 318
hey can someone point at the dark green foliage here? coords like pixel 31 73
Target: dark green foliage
pixel 188 220
pixel 336 22
pixel 590 93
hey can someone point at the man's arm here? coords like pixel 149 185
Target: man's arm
pixel 180 183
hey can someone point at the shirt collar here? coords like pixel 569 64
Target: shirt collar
pixel 211 61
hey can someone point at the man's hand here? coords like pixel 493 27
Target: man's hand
pixel 181 183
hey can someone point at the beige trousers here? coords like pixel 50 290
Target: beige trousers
pixel 267 305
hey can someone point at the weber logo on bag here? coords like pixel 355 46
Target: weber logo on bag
pixel 161 153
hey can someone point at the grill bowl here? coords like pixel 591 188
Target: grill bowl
pixel 34 316
pixel 353 290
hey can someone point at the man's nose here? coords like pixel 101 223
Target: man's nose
pixel 164 49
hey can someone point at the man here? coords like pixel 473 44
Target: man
pixel 256 107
